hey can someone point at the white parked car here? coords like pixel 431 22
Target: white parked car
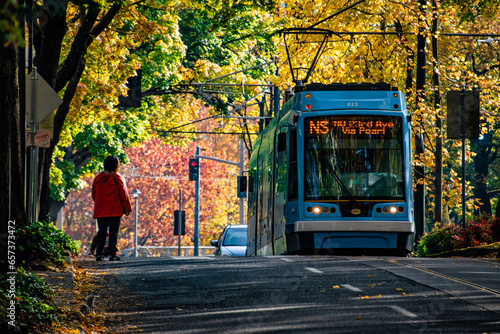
pixel 232 241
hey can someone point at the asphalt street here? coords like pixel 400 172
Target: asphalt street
pixel 303 294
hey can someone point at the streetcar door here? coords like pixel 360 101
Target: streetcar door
pixel 292 206
pixel 280 194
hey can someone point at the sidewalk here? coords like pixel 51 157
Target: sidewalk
pixel 63 284
pixel 72 285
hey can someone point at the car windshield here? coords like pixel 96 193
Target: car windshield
pixel 235 237
pixel 353 156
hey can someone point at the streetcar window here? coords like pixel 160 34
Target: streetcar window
pixel 250 182
pixel 260 190
pixel 252 196
pixel 282 142
pixel 353 156
pixel 293 176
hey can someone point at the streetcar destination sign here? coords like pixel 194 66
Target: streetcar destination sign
pixel 350 126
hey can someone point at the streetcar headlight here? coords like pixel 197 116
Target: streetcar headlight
pixel 316 209
pixel 396 209
pixel 326 210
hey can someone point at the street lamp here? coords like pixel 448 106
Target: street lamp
pixel 135 195
pixel 488 40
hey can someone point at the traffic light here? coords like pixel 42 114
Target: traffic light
pixel 176 222
pixel 194 169
pixel 242 186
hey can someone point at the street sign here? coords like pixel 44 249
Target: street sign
pixel 45 101
pixel 467 102
pixel 42 138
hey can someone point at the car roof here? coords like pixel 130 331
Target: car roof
pixel 237 226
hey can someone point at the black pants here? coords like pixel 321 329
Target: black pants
pixel 103 223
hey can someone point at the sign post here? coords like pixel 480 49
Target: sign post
pixel 179 221
pixel 463 123
pixel 43 100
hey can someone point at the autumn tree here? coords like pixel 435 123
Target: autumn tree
pixel 159 171
pixel 116 42
pixel 377 41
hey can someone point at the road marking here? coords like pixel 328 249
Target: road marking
pixel 313 270
pixel 352 288
pixel 403 311
pixel 192 258
pixel 250 310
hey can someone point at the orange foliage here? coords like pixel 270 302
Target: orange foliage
pixel 159 171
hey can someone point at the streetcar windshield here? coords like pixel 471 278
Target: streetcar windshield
pixel 353 156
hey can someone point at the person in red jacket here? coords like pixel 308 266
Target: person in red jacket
pixel 111 201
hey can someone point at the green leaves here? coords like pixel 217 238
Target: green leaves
pixel 90 146
pixel 10 30
pixel 43 242
pixel 32 298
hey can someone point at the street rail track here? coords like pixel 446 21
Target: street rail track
pixel 454 279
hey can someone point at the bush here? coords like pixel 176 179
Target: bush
pixel 476 233
pixel 32 296
pixel 438 240
pixel 495 229
pixel 44 242
pixel 480 231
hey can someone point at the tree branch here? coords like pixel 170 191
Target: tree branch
pixel 78 48
pixel 83 39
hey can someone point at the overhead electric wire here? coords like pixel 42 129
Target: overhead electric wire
pixel 336 13
pixel 211 132
pixel 193 122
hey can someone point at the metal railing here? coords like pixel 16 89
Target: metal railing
pixel 156 251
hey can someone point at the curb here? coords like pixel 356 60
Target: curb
pixel 63 284
pixel 470 252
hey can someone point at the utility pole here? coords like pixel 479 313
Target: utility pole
pixel 419 139
pixel 241 165
pixel 179 224
pixel 197 209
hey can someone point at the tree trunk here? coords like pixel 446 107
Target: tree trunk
pixel 438 154
pixel 55 208
pixel 481 166
pixel 12 213
pixel 65 74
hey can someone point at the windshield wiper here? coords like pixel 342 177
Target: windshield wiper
pixel 340 183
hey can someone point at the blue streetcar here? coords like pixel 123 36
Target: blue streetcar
pixel 332 173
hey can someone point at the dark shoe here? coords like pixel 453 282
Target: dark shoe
pixel 114 258
pixel 98 258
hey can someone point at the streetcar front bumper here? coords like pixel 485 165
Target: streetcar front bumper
pixel 351 234
pixel 354 226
